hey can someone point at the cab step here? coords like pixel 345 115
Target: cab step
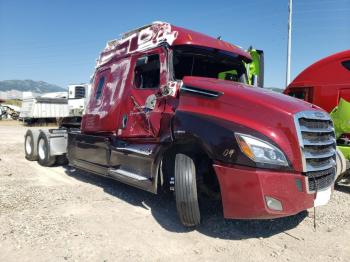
pixel 120 173
pixel 132 179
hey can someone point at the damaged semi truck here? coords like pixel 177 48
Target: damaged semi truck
pixel 171 110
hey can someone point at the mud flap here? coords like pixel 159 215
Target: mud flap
pixel 323 197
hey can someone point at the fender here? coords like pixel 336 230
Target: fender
pixel 216 137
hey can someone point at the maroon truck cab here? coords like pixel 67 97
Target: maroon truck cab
pixel 324 82
pixel 158 118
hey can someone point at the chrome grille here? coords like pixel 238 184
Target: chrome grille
pixel 322 178
pixel 318 148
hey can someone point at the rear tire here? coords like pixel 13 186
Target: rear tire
pixel 30 145
pixel 186 191
pixel 44 157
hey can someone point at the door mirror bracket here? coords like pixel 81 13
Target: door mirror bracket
pixel 171 89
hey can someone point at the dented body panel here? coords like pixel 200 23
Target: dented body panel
pixel 151 36
pixel 102 115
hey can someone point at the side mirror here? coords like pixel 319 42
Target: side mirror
pixel 256 68
pixel 255 80
pixel 171 88
pixel 260 80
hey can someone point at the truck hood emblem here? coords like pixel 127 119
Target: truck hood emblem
pixel 319 115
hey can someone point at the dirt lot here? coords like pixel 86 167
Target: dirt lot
pixel 59 214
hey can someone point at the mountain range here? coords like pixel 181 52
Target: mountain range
pixel 29 85
pixel 43 87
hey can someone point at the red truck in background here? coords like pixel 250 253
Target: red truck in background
pixel 158 118
pixel 326 84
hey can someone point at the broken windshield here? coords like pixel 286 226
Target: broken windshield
pixel 207 62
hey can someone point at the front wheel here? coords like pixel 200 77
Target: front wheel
pixel 186 191
pixel 44 157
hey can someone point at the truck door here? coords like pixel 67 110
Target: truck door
pixel 141 115
pixel 141 109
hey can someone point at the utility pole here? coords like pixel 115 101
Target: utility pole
pixel 289 47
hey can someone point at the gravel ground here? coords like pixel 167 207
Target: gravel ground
pixel 60 214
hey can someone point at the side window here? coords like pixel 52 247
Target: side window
pixel 147 72
pixel 346 64
pixel 99 88
pixel 302 93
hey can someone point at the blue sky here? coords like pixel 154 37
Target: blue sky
pixel 58 41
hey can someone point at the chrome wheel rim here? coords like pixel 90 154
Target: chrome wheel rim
pixel 28 145
pixel 41 149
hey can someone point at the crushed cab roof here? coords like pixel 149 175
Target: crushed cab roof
pixel 152 35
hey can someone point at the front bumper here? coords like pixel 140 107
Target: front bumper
pixel 244 190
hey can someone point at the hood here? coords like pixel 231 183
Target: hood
pixel 265 111
pixel 257 97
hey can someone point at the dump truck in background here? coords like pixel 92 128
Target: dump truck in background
pixel 172 110
pixel 51 107
pixel 326 84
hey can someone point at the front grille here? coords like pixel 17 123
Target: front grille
pixel 313 124
pixel 318 148
pixel 320 179
pixel 79 92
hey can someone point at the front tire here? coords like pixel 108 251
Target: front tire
pixel 44 157
pixel 186 191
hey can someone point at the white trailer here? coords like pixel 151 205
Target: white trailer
pixel 49 106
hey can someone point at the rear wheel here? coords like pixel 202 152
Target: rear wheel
pixel 30 145
pixel 186 190
pixel 44 157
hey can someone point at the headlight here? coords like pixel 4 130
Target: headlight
pixel 260 151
